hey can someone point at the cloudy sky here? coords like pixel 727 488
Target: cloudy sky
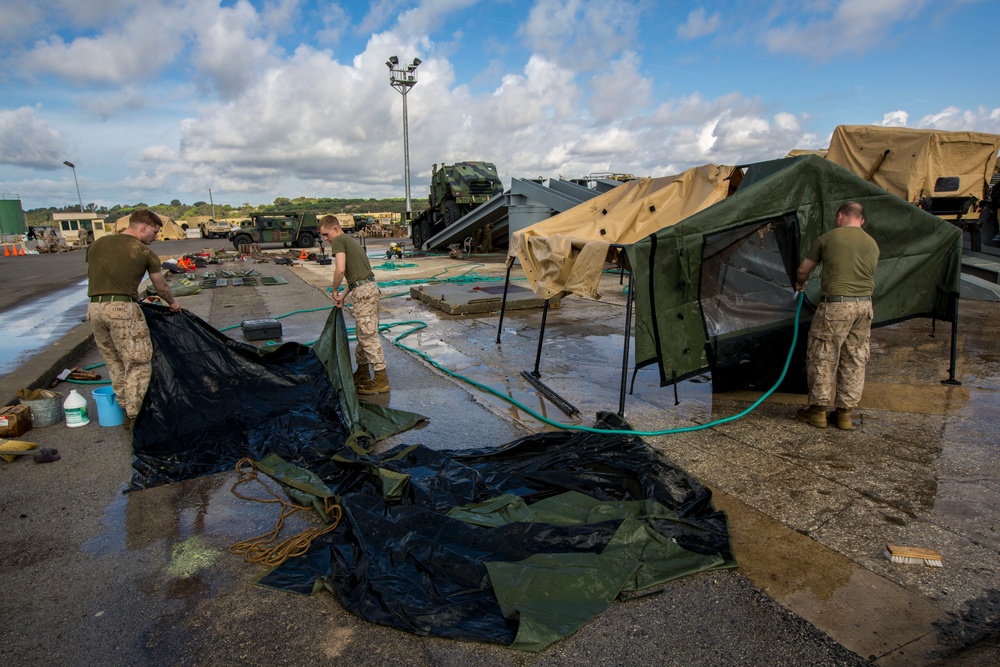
pixel 155 100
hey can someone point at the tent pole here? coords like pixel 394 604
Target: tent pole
pixel 954 343
pixel 503 302
pixel 541 336
pixel 628 331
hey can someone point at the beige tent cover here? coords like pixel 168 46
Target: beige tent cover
pixel 796 152
pixel 170 231
pixel 917 158
pixel 567 252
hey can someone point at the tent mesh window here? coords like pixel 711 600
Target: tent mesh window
pixel 748 276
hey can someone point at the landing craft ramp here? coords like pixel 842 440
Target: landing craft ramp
pixel 527 202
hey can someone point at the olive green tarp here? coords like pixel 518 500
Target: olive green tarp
pixel 567 252
pixel 727 272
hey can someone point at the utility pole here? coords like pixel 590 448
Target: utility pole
pixel 402 78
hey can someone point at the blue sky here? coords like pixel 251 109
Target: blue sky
pixel 156 100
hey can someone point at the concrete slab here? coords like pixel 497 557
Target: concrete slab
pixel 477 298
pixel 810 509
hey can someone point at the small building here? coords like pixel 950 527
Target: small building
pixel 77 228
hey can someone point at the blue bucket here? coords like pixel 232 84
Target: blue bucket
pixel 109 413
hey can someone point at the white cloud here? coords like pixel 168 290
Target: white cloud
pixel 854 26
pixel 132 52
pixel 698 25
pixel 28 141
pixel 981 119
pixel 581 35
pixel 619 91
pixel 229 54
pixel 895 118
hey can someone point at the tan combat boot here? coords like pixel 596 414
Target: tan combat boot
pixel 379 385
pixel 362 376
pixel 814 415
pixel 842 418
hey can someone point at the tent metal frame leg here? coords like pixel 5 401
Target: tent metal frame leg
pixel 541 338
pixel 503 302
pixel 954 344
pixel 625 350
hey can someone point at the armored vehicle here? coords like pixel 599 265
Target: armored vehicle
pixel 455 190
pixel 291 229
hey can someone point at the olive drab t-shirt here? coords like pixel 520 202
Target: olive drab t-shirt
pixel 358 266
pixel 849 257
pixel 117 263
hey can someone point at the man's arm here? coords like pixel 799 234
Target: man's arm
pixel 340 270
pixel 802 273
pixel 160 283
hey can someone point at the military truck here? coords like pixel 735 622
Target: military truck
pixel 454 191
pixel 214 229
pixel 946 173
pixel 291 229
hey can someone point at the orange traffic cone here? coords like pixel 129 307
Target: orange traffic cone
pixel 6 250
pixel 22 251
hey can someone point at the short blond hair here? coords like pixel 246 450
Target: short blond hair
pixel 328 221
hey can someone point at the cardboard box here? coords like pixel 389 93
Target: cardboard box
pixel 14 420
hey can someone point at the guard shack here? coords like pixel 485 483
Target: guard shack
pixel 78 228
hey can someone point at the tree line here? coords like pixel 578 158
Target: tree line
pixel 179 211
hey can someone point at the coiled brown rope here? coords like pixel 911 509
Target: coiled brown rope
pixel 267 549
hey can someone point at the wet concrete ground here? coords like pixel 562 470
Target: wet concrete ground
pixel 91 576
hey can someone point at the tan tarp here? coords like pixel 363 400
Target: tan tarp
pixel 170 231
pixel 916 158
pixel 796 152
pixel 567 252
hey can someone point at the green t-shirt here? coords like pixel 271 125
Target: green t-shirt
pixel 849 257
pixel 117 263
pixel 357 264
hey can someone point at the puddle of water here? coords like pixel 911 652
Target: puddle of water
pixel 31 326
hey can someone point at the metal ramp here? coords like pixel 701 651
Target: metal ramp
pixel 980 276
pixel 531 196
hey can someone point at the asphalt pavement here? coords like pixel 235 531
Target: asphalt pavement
pixel 90 575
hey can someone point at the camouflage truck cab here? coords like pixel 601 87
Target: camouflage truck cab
pixel 454 191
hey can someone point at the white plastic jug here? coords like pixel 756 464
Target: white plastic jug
pixel 75 407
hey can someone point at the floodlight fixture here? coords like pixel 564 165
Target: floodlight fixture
pixel 73 167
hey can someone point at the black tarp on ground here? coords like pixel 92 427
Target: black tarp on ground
pixel 213 400
pixel 519 545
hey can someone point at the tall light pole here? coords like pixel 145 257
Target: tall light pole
pixel 402 78
pixel 73 167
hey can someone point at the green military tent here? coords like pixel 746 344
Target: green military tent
pixel 715 291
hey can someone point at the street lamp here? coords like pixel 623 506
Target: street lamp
pixel 73 167
pixel 402 78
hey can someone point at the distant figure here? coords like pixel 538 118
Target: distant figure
pixel 116 265
pixel 841 329
pixel 31 233
pixel 351 263
pixel 989 229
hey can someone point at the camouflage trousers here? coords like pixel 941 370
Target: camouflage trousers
pixel 837 353
pixel 122 336
pixel 365 307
